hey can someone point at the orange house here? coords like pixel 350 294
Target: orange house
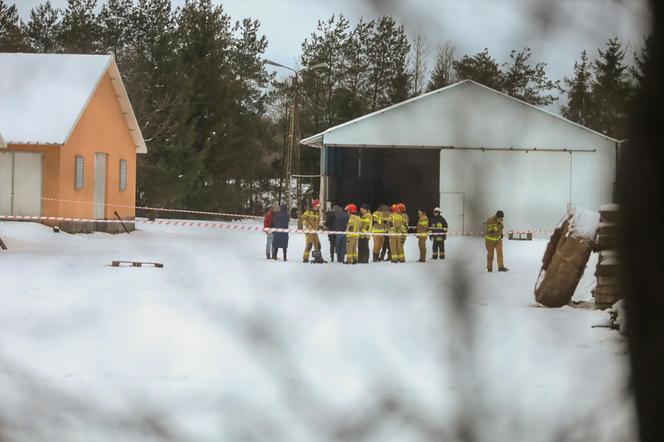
pixel 69 139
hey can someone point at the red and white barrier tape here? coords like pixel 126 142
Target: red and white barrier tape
pixel 130 206
pixel 221 225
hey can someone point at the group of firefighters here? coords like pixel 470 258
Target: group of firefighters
pixel 387 226
pixel 349 234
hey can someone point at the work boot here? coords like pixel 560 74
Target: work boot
pixel 421 260
pixel 332 257
pixel 503 269
pixel 285 255
pixel 489 270
pixel 305 260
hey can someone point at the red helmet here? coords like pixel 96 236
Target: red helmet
pixel 351 208
pixel 315 203
pixel 394 208
pixel 401 207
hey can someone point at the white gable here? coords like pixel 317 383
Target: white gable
pixel 463 115
pixel 44 95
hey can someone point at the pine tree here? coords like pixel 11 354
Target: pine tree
pixel 579 106
pixel 154 84
pixel 79 28
pixel 611 90
pixel 351 99
pixel 318 86
pixel 43 29
pixel 527 82
pixel 115 27
pixel 11 35
pixel 443 71
pixel 481 67
pixel 641 60
pixel 387 52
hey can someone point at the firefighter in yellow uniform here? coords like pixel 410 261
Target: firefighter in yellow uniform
pixel 352 234
pixel 366 220
pixel 396 227
pixel 379 225
pixel 422 233
pixel 402 210
pixel 311 221
pixel 493 238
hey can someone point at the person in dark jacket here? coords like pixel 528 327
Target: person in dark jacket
pixel 438 225
pixel 331 237
pixel 340 222
pixel 280 239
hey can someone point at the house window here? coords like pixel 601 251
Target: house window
pixel 79 178
pixel 123 174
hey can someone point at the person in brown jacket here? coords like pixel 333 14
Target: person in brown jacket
pixel 493 238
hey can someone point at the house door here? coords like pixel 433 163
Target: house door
pixel 452 207
pixel 100 185
pixel 20 183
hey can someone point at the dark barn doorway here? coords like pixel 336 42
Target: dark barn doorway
pixel 384 175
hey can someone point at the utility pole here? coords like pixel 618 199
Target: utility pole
pixel 293 150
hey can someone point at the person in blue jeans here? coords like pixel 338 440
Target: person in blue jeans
pixel 339 225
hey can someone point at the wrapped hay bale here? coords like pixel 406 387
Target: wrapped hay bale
pixel 566 257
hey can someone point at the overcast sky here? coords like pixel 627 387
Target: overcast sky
pixel 555 30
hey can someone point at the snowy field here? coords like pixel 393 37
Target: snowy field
pixel 224 345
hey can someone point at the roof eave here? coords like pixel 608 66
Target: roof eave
pixel 313 141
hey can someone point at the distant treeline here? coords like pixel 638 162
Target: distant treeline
pixel 216 122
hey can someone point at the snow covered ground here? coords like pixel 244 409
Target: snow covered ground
pixel 222 344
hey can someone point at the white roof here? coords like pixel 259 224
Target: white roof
pixel 466 114
pixel 44 96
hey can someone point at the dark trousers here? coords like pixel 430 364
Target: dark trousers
pixel 438 249
pixel 340 247
pixel 363 250
pixel 333 245
pixel 386 249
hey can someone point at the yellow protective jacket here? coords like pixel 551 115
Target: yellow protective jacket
pixel 494 229
pixel 396 223
pixel 379 224
pixel 366 222
pixel 310 220
pixel 422 227
pixel 353 226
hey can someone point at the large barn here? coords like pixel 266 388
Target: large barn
pixel 470 150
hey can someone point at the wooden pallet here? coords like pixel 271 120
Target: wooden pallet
pixel 521 236
pixel 136 264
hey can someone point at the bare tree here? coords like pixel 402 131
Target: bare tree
pixel 443 70
pixel 419 66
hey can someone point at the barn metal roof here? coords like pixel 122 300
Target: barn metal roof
pixel 466 114
pixel 45 95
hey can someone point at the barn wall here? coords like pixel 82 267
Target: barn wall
pixel 532 188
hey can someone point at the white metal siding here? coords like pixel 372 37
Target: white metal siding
pixel 20 173
pixel 6 159
pixel 100 185
pixel 532 188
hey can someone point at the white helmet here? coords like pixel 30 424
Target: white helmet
pixel 437 209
